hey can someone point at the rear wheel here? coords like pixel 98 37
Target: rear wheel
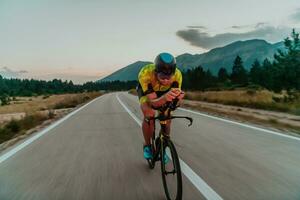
pixel 171 172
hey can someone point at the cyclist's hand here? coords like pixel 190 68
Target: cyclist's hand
pixel 181 95
pixel 170 96
pixel 152 95
pixel 176 91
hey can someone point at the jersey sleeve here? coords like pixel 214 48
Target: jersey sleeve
pixel 178 78
pixel 144 79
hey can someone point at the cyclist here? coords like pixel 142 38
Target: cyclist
pixel 159 83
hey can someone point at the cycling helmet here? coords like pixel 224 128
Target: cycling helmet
pixel 165 64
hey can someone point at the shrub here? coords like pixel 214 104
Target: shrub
pixel 51 114
pixel 4 99
pixel 46 96
pixel 13 126
pixel 251 92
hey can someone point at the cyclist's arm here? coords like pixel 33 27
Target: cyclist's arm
pixel 168 97
pixel 177 86
pixel 154 101
pixel 174 93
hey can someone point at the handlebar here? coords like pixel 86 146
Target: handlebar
pixel 167 108
pixel 171 105
pixel 163 118
pixel 166 112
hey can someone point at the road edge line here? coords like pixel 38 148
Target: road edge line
pixel 240 124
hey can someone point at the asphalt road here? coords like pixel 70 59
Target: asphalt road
pixel 97 154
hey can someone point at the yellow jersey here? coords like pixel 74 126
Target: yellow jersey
pixel 149 83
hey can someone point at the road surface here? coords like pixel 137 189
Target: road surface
pixel 97 154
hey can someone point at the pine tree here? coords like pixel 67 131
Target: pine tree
pixel 239 74
pixel 266 74
pixel 222 75
pixel 256 72
pixel 286 67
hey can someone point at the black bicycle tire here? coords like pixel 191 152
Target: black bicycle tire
pixel 175 160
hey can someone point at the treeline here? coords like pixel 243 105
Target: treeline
pixel 18 87
pixel 25 87
pixel 10 88
pixel 281 74
pixel 109 85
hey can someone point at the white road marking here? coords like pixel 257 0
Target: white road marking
pixel 13 151
pixel 196 180
pixel 241 124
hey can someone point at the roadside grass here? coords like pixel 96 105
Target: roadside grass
pixel 73 101
pixel 251 98
pixel 18 127
pixel 261 99
pixel 38 110
pixel 132 91
pixel 46 102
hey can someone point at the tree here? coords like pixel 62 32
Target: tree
pixel 209 80
pixel 266 74
pixel 286 66
pixel 239 74
pixel 256 72
pixel 222 75
pixel 198 78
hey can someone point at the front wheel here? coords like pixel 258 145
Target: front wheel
pixel 171 172
pixel 151 162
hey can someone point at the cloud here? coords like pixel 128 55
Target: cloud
pixel 261 24
pixel 296 16
pixel 202 39
pixel 257 25
pixel 238 27
pixel 10 73
pixel 196 27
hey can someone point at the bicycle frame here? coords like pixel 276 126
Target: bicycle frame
pixel 159 145
pixel 163 118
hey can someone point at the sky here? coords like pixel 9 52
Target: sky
pixel 84 40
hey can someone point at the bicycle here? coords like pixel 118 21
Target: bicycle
pixel 159 147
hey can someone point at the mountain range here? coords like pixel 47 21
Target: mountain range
pixel 213 60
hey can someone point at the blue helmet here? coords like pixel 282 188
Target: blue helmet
pixel 165 63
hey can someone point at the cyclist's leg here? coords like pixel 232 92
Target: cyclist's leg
pixel 148 127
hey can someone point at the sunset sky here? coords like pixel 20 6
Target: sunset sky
pixel 84 40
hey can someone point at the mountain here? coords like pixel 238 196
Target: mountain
pixel 127 73
pixel 213 60
pixel 224 56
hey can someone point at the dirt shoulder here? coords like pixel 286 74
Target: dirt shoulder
pixel 29 115
pixel 282 121
pixel 57 115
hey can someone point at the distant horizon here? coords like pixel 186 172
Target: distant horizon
pixel 87 40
